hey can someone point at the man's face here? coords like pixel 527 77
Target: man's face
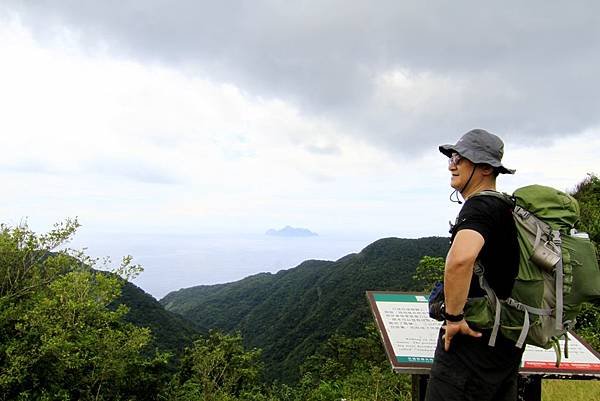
pixel 461 170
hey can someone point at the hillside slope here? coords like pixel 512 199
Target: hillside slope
pixel 171 332
pixel 288 314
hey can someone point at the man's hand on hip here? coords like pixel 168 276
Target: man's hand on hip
pixel 454 328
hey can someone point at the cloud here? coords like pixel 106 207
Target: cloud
pixel 27 166
pixel 131 169
pixel 119 142
pixel 323 149
pixel 328 119
pixel 401 75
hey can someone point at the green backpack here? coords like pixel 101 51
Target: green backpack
pixel 558 272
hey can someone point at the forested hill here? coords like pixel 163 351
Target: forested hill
pixel 170 331
pixel 288 314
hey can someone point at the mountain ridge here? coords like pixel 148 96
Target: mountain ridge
pixel 289 313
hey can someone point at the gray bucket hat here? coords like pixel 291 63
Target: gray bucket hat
pixel 480 147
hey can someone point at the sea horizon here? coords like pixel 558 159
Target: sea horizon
pixel 173 261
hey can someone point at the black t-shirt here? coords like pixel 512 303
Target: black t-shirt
pixel 492 218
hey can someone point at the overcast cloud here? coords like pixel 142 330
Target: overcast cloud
pixel 399 74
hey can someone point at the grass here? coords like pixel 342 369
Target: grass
pixel 570 390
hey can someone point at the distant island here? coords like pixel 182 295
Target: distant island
pixel 288 231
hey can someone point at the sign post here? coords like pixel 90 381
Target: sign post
pixel 410 336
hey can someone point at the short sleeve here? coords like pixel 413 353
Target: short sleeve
pixel 476 215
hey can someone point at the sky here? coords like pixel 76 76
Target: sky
pixel 224 117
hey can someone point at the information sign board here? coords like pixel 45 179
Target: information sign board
pixel 410 338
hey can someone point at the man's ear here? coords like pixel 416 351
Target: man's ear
pixel 486 169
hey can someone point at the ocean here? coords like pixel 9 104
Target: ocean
pixel 175 261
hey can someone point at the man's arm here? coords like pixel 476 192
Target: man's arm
pixel 457 278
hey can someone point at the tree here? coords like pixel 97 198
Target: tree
pixel 216 367
pixel 59 339
pixel 587 193
pixel 353 368
pixel 429 271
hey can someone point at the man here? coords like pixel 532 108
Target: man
pixel 465 367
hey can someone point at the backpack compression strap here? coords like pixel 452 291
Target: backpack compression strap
pixel 493 298
pixel 497 305
pixel 526 309
pixel 559 282
pixel 538 228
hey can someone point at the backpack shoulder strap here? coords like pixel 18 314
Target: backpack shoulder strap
pixel 510 200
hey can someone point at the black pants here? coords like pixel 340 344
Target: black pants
pixel 472 370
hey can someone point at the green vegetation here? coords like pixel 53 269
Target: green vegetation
pixel 66 332
pixel 587 194
pixel 71 332
pixel 216 368
pixel 429 271
pixel 170 332
pixel 572 390
pixel 58 338
pixel 289 314
pixel 354 368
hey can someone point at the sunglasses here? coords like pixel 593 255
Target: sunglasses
pixel 454 159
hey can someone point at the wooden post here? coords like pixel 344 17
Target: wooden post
pixel 530 388
pixel 419 387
